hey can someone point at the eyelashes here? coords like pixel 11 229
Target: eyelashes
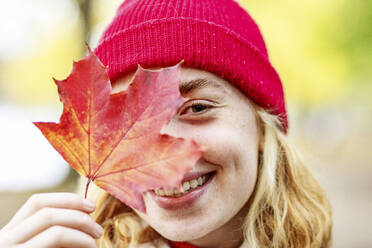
pixel 196 107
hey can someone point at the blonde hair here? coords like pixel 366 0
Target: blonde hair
pixel 288 207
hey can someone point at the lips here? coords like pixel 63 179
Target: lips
pixel 184 199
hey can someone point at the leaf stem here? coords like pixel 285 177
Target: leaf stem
pixel 86 188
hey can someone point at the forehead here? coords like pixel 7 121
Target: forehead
pixel 192 80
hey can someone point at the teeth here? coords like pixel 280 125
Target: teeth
pixel 186 186
pixel 159 192
pixel 194 183
pixel 200 180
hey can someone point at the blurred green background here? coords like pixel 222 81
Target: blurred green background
pixel 321 49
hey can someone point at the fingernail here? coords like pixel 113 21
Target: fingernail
pixel 89 204
pixel 99 230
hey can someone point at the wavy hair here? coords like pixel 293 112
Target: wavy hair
pixel 288 207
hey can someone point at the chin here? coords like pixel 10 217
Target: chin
pixel 179 225
pixel 182 232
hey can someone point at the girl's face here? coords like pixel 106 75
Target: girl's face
pixel 216 115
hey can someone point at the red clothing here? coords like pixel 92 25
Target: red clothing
pixel 182 245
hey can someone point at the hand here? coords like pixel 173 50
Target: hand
pixel 52 220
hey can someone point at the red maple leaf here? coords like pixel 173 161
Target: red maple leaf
pixel 114 140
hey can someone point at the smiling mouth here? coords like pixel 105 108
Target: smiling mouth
pixel 187 186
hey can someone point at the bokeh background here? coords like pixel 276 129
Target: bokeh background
pixel 321 49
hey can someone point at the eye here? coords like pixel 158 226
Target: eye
pixel 196 107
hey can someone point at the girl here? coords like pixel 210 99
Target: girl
pixel 250 187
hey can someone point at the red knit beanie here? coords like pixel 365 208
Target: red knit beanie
pixel 217 36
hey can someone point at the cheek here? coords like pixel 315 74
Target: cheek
pixel 234 147
pixel 227 145
pixel 234 152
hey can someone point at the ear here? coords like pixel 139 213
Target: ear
pixel 261 136
pixel 261 141
pixel 260 128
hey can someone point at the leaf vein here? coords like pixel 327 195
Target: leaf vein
pixel 122 138
pixel 72 152
pixel 78 121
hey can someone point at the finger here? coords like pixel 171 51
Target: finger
pixel 51 200
pixel 48 217
pixel 59 236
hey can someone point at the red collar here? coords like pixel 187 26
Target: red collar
pixel 182 245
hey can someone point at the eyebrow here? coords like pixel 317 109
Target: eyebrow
pixel 198 83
